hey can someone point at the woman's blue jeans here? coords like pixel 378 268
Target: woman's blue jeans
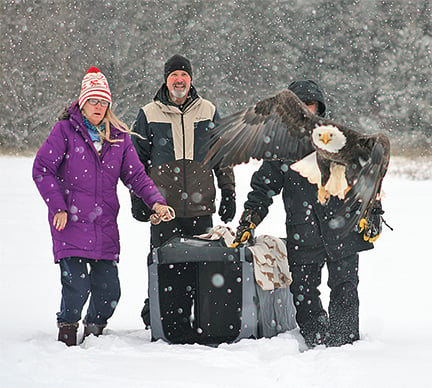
pixel 81 278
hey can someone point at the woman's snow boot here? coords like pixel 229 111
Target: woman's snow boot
pixel 68 333
pixel 92 328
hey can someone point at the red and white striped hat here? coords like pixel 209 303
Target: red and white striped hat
pixel 94 85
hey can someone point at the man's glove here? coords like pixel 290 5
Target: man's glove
pixel 372 227
pixel 248 222
pixel 140 211
pixel 227 208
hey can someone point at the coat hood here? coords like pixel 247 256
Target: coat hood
pixel 309 90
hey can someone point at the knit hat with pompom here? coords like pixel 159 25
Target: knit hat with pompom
pixel 94 85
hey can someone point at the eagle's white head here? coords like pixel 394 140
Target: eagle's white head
pixel 328 138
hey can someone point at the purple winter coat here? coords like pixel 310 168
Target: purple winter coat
pixel 71 176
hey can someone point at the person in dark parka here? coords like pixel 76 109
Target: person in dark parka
pixel 311 242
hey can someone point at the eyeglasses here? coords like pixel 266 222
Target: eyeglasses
pixel 94 101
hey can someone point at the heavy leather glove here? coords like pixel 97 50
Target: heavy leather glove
pixel 248 222
pixel 372 226
pixel 227 208
pixel 140 211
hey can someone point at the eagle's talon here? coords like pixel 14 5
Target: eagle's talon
pixel 323 195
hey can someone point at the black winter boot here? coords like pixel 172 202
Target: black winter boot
pixel 68 333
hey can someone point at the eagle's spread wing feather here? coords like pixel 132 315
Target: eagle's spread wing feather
pixel 278 127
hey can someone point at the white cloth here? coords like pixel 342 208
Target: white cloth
pixel 219 231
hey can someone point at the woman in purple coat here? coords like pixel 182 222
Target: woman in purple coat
pixel 76 171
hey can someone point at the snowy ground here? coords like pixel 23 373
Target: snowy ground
pixel 395 293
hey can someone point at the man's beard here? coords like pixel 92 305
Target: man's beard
pixel 179 93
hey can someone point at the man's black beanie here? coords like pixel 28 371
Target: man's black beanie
pixel 177 62
pixel 308 90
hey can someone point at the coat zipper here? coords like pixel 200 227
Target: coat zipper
pixel 184 162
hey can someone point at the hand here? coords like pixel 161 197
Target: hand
pixel 60 220
pixel 372 226
pixel 371 229
pixel 140 211
pixel 248 222
pixel 243 235
pixel 162 213
pixel 227 208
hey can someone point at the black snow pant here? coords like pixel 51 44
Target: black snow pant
pixel 341 325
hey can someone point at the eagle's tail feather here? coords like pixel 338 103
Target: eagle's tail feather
pixel 337 184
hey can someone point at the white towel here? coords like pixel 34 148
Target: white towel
pixel 217 232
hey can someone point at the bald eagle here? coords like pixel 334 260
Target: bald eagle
pixel 340 161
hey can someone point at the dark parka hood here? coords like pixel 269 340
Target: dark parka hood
pixel 309 90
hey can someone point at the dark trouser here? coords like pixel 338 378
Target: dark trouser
pixel 179 227
pixel 101 283
pixel 341 325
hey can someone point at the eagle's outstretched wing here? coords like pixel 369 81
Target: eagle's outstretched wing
pixel 278 127
pixel 281 127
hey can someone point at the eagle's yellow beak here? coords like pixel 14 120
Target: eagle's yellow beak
pixel 325 138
